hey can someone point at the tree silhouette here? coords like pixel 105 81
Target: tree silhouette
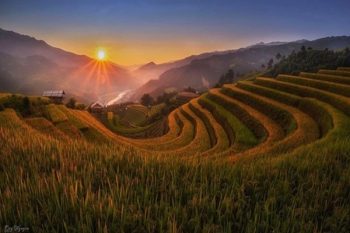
pixel 147 100
pixel 190 89
pixel 270 63
pixel 71 103
pixel 229 77
pixel 26 106
pixel 310 60
pixel 278 56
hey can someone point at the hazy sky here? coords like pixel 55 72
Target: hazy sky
pixel 139 31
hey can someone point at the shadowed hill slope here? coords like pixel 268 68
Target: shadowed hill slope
pixel 30 66
pixel 204 73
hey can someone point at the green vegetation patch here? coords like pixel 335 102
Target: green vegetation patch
pixel 133 116
pixel 206 121
pixel 338 101
pixel 275 112
pixel 335 72
pixel 113 122
pixel 70 114
pixel 312 107
pixel 243 137
pixel 239 112
pixel 46 127
pixel 326 77
pixel 54 114
pixel 323 85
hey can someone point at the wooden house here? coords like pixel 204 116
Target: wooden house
pixel 56 96
pixel 97 107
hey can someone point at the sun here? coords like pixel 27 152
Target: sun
pixel 101 55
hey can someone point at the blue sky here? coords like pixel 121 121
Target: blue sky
pixel 136 31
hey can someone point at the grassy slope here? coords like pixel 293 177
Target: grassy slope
pixel 97 191
pixel 133 121
pixel 136 114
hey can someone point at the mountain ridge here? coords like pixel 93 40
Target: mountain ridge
pixel 20 61
pixel 199 72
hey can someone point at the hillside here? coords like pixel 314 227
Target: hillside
pixel 203 72
pixel 287 136
pixel 24 46
pixel 251 117
pixel 136 120
pixel 30 66
pixel 152 71
pixel 310 60
pixel 262 116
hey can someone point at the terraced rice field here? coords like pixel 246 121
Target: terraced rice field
pixel 264 115
pixel 289 138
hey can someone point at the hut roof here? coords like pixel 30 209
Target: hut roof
pixel 59 93
pixel 96 105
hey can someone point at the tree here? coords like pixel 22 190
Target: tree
pixel 147 100
pixel 190 89
pixel 71 103
pixel 26 106
pixel 310 60
pixel 165 97
pixel 270 63
pixel 278 56
pixel 80 106
pixel 263 66
pixel 229 77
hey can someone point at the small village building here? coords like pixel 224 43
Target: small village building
pixel 56 96
pixel 185 96
pixel 97 107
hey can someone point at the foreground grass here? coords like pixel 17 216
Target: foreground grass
pixel 76 186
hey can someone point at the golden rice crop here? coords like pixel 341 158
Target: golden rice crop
pixel 201 139
pixel 335 72
pixel 55 114
pixel 243 137
pixel 307 105
pixel 243 112
pixel 344 69
pixel 338 101
pixel 274 109
pixel 326 77
pixel 175 126
pixel 218 133
pixel 46 127
pixel 323 85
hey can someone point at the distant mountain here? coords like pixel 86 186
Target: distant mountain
pixel 205 72
pixel 30 66
pixel 148 66
pixel 23 46
pixel 267 44
pixel 152 70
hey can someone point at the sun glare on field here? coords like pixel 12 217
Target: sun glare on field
pixel 101 55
